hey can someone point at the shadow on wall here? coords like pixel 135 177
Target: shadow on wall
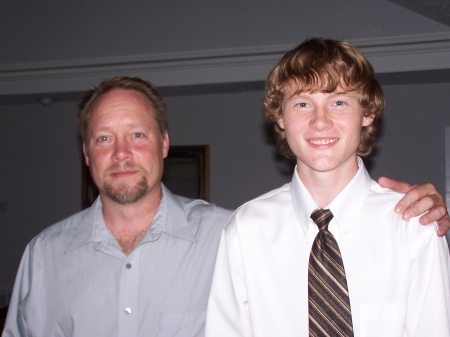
pixel 285 166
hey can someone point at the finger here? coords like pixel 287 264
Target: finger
pixel 421 197
pixel 413 202
pixel 444 225
pixel 426 204
pixel 435 214
pixel 397 185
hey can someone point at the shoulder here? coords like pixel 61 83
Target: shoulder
pixel 61 232
pixel 380 202
pixel 272 201
pixel 383 201
pixel 272 205
pixel 201 210
pixel 384 195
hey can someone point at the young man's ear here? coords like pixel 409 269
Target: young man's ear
pixel 367 120
pixel 280 122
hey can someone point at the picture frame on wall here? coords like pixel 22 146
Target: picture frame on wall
pixel 186 173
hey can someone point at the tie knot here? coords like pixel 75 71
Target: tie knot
pixel 322 218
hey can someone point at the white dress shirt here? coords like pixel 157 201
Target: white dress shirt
pixel 74 280
pixel 397 272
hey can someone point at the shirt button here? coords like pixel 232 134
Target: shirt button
pixel 128 265
pixel 128 311
pixel 346 232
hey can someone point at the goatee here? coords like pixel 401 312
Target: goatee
pixel 125 194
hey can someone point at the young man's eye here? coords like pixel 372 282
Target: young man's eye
pixel 302 105
pixel 340 103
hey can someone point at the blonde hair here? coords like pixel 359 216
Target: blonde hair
pixel 320 65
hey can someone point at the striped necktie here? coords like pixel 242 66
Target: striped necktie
pixel 329 304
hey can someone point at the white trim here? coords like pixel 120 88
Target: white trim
pixel 237 65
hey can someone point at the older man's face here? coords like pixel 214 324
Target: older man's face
pixel 124 148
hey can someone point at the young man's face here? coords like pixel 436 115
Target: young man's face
pixel 323 130
pixel 124 148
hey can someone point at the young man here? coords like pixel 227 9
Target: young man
pixel 365 272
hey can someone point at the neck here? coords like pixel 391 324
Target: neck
pixel 129 223
pixel 324 187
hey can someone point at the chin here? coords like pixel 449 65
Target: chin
pixel 125 194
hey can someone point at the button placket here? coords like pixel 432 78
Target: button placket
pixel 128 295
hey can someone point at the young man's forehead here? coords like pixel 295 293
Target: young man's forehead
pixel 293 89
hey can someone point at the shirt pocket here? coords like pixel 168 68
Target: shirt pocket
pixel 385 319
pixel 181 324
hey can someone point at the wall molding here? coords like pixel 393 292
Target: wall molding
pixel 393 54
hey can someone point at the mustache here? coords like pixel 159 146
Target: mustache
pixel 123 167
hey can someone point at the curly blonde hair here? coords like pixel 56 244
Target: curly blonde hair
pixel 322 65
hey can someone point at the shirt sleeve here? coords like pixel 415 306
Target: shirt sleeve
pixel 227 313
pixel 428 299
pixel 15 325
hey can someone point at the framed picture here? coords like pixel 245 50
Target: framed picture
pixel 186 173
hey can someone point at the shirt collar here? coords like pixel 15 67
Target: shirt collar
pixel 170 218
pixel 344 207
pixel 89 224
